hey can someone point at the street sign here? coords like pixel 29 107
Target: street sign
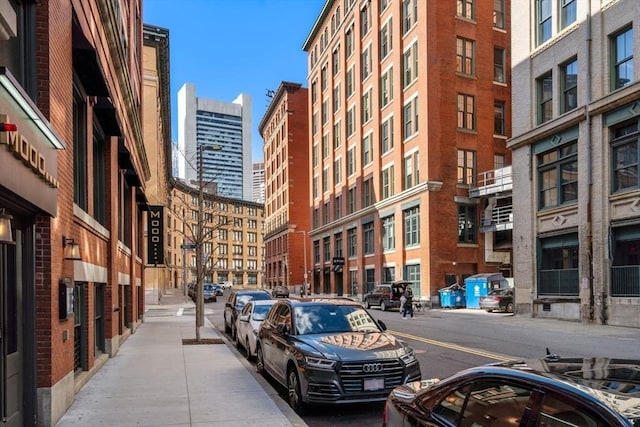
pixel 187 246
pixel 337 261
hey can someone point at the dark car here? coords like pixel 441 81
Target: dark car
pixel 331 351
pixel 280 292
pixel 551 392
pixel 234 305
pixel 386 295
pixel 209 292
pixel 498 299
pixel 218 290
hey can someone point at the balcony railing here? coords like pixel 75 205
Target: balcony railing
pixel 558 282
pixel 493 182
pixel 500 218
pixel 625 281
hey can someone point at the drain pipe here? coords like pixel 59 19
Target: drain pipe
pixel 589 144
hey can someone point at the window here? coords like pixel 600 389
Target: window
pixel 315 155
pixel 498 118
pixel 324 112
pixel 351 200
pixel 567 12
pixel 388 274
pixel 386 33
pixel 499 161
pixel 409 14
pixel 366 106
pixel 558 176
pixel 466 9
pixel 467 224
pixel 466 111
pixel 367 150
pixel 622 56
pixel 337 208
pixel 326 213
pixel 349 41
pixel 326 246
pixel 351 161
pixel 626 261
pixel 386 87
pixel 337 242
pixel 466 167
pixel 316 251
pixel 465 52
pixel 569 86
pixel 351 117
pixel 325 146
pixel 368 244
pixel 410 65
pixel 367 62
pixel 499 65
pixel 558 265
pixel 337 171
pixel 498 13
pixel 325 180
pixel 314 123
pixel 323 78
pixel 367 192
pixel 386 135
pixel 314 91
pixel 337 132
pixel 352 241
pixel 365 20
pixel 543 14
pixel 336 98
pixel 350 87
pixel 410 118
pixel 545 98
pixel 411 170
pixel 625 156
pixel 388 233
pixel 387 182
pixel 412 226
pixel 315 187
pixel 80 150
pixel 335 60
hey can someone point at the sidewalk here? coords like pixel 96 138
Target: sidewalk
pixel 155 380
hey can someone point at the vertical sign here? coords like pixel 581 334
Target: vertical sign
pixel 155 235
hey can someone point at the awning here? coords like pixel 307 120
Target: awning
pixel 86 65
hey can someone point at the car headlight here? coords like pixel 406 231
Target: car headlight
pixel 319 363
pixel 409 358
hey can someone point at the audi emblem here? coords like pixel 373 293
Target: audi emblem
pixel 372 367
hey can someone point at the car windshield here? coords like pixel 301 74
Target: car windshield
pixel 330 318
pixel 260 312
pixel 243 298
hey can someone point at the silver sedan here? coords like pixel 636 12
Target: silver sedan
pixel 248 324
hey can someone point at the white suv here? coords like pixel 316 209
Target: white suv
pixel 226 285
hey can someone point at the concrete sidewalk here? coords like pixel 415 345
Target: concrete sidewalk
pixel 155 380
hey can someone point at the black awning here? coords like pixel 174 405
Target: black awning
pixel 106 115
pixel 86 64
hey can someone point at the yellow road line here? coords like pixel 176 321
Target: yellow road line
pixel 477 352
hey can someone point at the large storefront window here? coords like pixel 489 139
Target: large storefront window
pixel 625 269
pixel 558 265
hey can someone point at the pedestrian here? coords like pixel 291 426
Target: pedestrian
pixel 407 308
pixel 403 299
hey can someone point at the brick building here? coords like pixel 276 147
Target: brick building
pixel 402 119
pixel 72 185
pixel 285 131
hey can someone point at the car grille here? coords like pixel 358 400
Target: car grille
pixel 353 375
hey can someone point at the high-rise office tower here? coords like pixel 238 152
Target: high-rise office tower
pixel 257 177
pixel 220 132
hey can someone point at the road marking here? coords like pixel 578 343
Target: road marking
pixel 180 311
pixel 475 351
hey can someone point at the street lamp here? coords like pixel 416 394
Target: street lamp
pixel 200 262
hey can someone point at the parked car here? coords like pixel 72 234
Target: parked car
pixel 386 295
pixel 218 289
pixel 209 292
pixel 498 299
pixel 248 324
pixel 191 291
pixel 280 292
pixel 226 285
pixel 331 351
pixel 550 392
pixel 234 305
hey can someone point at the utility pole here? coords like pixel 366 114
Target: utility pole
pixel 199 249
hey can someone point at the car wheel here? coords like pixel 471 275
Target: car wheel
pixel 367 305
pixel 383 306
pixel 214 299
pixel 294 393
pixel 260 361
pixel 509 308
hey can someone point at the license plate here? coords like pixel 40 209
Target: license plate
pixel 372 384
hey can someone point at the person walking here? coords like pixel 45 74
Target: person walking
pixel 403 299
pixel 407 307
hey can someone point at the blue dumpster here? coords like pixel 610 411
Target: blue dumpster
pixel 452 297
pixel 479 285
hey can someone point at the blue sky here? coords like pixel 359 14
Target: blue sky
pixel 226 47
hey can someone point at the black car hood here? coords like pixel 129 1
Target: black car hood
pixel 347 346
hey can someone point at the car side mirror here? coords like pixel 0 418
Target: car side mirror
pixel 382 325
pixel 283 328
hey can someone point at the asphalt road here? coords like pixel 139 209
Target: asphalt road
pixel 447 341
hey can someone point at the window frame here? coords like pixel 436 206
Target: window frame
pixel 544 86
pixel 626 62
pixel 569 88
pixel 411 221
pixel 565 155
pixel 466 119
pixel 465 56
